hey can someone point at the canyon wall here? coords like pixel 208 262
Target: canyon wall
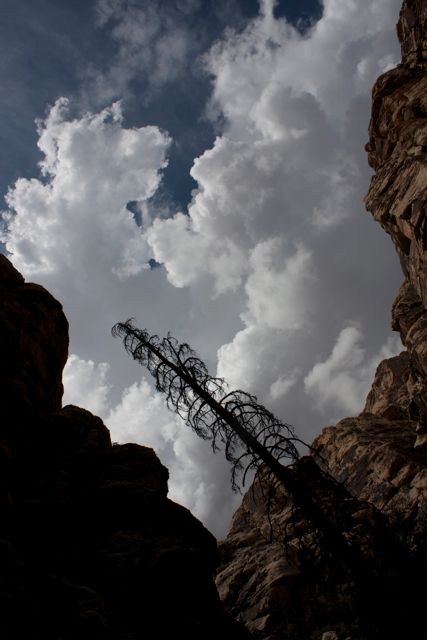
pixel 380 456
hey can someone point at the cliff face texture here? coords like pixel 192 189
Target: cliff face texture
pixel 380 456
pixel 90 545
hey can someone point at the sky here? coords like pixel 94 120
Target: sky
pixel 199 165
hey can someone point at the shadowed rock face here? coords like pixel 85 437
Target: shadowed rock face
pixel 381 455
pixel 412 31
pixel 33 344
pixel 397 199
pixel 397 148
pixel 90 545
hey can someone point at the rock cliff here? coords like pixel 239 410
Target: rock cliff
pixel 380 456
pixel 90 545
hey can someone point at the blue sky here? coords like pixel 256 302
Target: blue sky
pixel 46 47
pixel 221 142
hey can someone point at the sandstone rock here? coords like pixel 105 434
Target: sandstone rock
pixel 397 149
pixel 255 579
pixel 412 29
pixel 393 388
pixel 262 585
pixel 407 310
pixel 375 458
pixel 330 635
pixel 421 441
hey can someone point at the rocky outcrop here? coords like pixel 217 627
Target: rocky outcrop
pixel 262 583
pixel 397 148
pixel 375 457
pixel 412 31
pixel 90 545
pixel 397 199
pixel 379 457
pixel 33 343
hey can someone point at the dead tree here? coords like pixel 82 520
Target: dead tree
pixel 253 438
pixel 250 435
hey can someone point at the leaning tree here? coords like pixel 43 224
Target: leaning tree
pixel 349 534
pixel 250 435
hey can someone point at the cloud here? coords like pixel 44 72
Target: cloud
pixel 74 220
pixel 350 36
pixel 343 380
pixel 85 384
pixel 288 166
pixel 282 386
pixel 142 415
pixel 279 308
pixel 290 160
pixel 279 294
pixel 150 43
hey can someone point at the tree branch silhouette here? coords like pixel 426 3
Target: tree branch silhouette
pixel 250 435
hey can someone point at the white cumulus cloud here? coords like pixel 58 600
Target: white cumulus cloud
pixel 74 219
pixel 85 384
pixel 342 381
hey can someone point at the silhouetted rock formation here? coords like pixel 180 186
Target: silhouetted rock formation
pixel 90 545
pixel 381 455
pixel 33 343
